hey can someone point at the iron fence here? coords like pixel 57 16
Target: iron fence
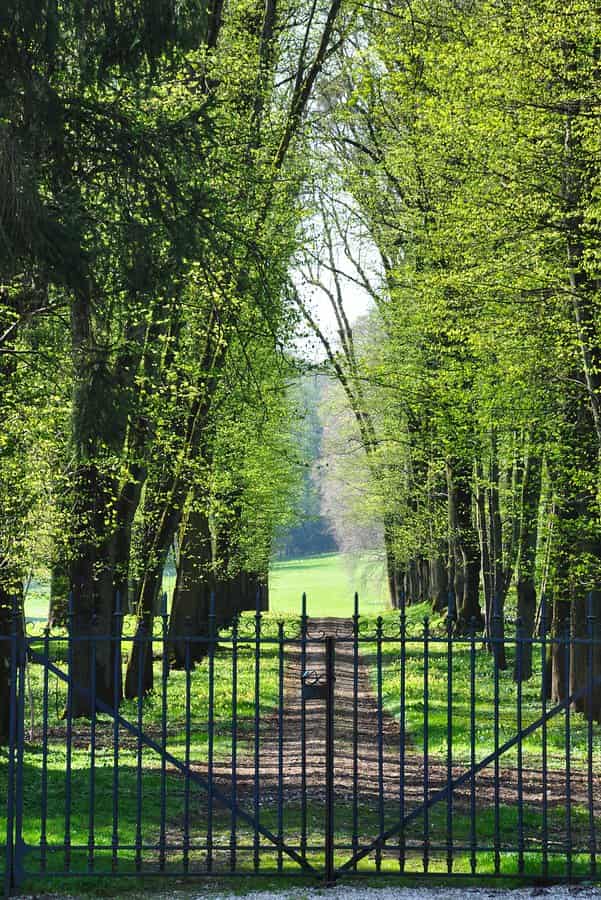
pixel 313 747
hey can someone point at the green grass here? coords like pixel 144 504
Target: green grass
pixel 484 698
pixel 330 582
pixel 149 778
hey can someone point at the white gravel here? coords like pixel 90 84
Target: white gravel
pixel 555 892
pixel 345 892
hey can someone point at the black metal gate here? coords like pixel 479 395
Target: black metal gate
pixel 312 747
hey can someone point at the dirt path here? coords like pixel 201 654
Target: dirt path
pixel 377 768
pixel 290 744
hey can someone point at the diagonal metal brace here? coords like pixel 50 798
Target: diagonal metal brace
pixel 176 763
pixel 441 794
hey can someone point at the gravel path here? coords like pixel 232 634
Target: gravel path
pixel 388 893
pixel 370 762
pixel 344 892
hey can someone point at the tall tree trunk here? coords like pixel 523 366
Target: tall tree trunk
pixel 578 179
pixel 559 630
pixel 92 573
pixel 100 409
pixel 577 547
pixel 439 583
pixel 162 516
pixel 191 599
pixel 391 564
pixel 526 564
pixel 464 548
pixel 167 491
pixel 495 530
pixel 129 500
pixel 490 540
pixel 60 587
pixel 11 602
pixel 585 662
pixel 485 556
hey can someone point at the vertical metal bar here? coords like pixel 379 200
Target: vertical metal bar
pixel 234 818
pixel 188 729
pixel 143 649
pixel 19 846
pixel 257 736
pixel 116 647
pixel 211 730
pixel 44 786
pixel 69 735
pixel 590 706
pixel 426 721
pixel 544 764
pixel 330 872
pixel 473 745
pixel 450 619
pixel 9 874
pixel 280 744
pixel 568 747
pixel 402 734
pixel 520 755
pixel 163 783
pixel 92 776
pixel 380 737
pixel 355 737
pixel 303 729
pixel 496 735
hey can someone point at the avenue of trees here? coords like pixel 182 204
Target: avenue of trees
pixel 311 531
pixel 172 176
pixel 463 142
pixel 151 158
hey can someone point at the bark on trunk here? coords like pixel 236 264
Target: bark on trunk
pixel 585 661
pixel 100 409
pixel 191 599
pixel 559 665
pixel 577 545
pixel 161 525
pixel 59 595
pixel 526 565
pixel 7 602
pixel 439 584
pixel 464 549
pixel 489 528
pixel 94 623
pixel 391 566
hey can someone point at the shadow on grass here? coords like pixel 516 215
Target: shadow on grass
pixel 86 854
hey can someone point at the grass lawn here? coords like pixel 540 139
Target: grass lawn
pixel 460 714
pixel 330 581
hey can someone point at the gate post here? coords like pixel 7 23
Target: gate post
pixel 14 799
pixel 330 873
pixel 19 847
pixel 12 748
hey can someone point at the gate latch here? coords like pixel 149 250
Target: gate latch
pixel 315 685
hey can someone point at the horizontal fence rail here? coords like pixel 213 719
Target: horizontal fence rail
pixel 307 747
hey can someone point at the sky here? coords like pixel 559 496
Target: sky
pixel 357 300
